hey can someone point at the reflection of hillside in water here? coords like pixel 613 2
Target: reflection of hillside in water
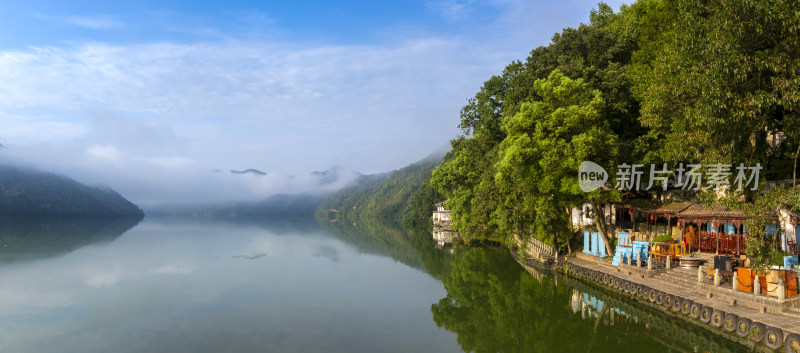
pixel 414 247
pixel 34 238
pixel 377 237
pixel 496 306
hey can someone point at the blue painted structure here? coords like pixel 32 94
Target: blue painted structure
pixel 797 234
pixel 789 261
pixel 593 244
pixel 587 243
pixel 621 255
pixel 625 247
pixel 640 249
pixel 637 249
pixel 623 239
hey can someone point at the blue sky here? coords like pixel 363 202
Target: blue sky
pixel 144 96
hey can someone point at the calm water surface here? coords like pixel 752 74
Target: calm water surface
pixel 297 286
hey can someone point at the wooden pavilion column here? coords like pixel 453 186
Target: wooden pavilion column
pixel 716 235
pixel 669 226
pixel 697 222
pixel 738 235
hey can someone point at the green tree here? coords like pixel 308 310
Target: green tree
pixel 763 249
pixel 483 206
pixel 546 143
pixel 720 80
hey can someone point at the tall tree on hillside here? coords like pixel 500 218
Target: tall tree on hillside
pixel 723 78
pixel 598 53
pixel 465 177
pixel 546 143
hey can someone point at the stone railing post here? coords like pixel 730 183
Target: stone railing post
pixel 735 280
pixel 781 289
pixel 630 258
pixel 700 274
pixel 716 277
pixel 669 262
pixel 650 264
pixel 639 260
pixel 756 286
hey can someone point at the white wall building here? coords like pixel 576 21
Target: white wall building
pixel 584 216
pixel 441 214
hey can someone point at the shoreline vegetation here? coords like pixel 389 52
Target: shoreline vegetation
pixel 656 83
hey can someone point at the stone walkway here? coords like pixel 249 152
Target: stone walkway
pixel 683 283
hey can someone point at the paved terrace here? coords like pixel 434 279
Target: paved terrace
pixel 683 283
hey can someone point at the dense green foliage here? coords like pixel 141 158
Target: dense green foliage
pixel 661 81
pixel 762 248
pixel 662 238
pixel 422 204
pixel 37 194
pixel 402 193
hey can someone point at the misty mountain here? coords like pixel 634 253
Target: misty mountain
pixel 334 174
pixel 248 171
pixel 35 193
pixel 386 195
pixel 402 193
pixel 322 184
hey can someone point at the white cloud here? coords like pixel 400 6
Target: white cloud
pixel 238 105
pixel 104 152
pixel 170 162
pixel 99 22
pixel 96 22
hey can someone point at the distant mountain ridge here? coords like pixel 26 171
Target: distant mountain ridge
pixel 401 194
pixel 248 171
pixel 333 174
pixel 33 193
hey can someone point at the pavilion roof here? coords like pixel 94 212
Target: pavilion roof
pixel 716 211
pixel 650 206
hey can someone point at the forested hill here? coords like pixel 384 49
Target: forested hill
pixel 404 193
pixel 659 83
pixel 34 193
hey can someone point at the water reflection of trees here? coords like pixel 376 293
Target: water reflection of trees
pixel 32 238
pixel 493 305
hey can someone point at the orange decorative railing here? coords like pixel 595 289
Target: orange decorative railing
pixel 722 243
